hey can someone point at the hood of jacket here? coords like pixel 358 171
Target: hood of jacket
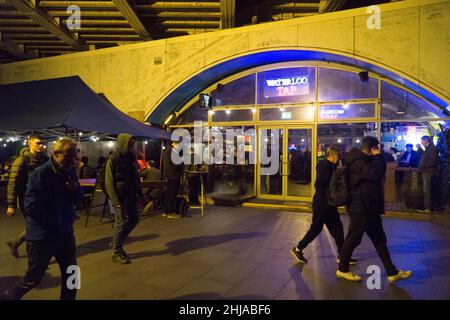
pixel 25 152
pixel 123 141
pixel 354 155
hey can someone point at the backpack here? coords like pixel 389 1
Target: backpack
pixel 181 205
pixel 338 193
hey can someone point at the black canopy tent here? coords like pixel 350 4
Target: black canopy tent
pixel 65 106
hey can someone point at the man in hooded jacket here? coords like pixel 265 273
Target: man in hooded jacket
pixel 367 168
pixel 122 183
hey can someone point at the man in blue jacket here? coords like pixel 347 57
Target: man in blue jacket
pixel 49 202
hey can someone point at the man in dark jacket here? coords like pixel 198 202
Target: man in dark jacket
pixel 367 169
pixel 49 202
pixel 29 159
pixel 122 183
pixel 172 172
pixel 428 166
pixel 323 213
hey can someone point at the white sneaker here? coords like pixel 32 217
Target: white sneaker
pixel 348 276
pixel 400 276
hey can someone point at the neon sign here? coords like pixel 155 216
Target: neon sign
pixel 287 81
pixel 289 86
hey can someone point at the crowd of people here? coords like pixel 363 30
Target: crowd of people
pixel 47 191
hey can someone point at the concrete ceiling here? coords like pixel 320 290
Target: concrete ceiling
pixel 40 28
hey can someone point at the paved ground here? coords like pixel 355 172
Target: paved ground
pixel 239 253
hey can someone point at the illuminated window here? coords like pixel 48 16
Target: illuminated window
pixel 346 111
pixel 343 85
pixel 232 115
pixel 287 85
pixel 237 92
pixel 397 103
pixel 294 113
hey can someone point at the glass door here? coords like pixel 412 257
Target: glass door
pixel 269 165
pixel 299 162
pixel 285 163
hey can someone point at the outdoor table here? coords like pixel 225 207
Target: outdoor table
pixel 87 182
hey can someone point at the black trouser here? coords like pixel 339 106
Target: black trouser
pixel 39 255
pixel 373 226
pixel 329 217
pixel 126 219
pixel 194 188
pixel 170 196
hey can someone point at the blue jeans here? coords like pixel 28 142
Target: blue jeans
pixel 126 219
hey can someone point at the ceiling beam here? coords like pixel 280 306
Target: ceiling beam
pixel 128 13
pixel 107 30
pixel 164 5
pixel 97 13
pixel 87 22
pixel 48 23
pixel 31 36
pixel 197 23
pixel 188 30
pixel 330 5
pixel 297 6
pixel 21 29
pixel 16 21
pixel 81 4
pixel 227 10
pixel 110 36
pixel 14 49
pixel 180 15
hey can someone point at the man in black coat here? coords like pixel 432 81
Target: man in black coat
pixel 323 213
pixel 428 166
pixel 29 159
pixel 172 172
pixel 367 170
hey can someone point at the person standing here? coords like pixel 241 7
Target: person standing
pixel 428 166
pixel 323 213
pixel 122 183
pixel 29 159
pixel 173 173
pixel 49 203
pixel 367 169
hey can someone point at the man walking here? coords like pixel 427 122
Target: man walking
pixel 49 203
pixel 122 183
pixel 29 159
pixel 367 169
pixel 428 166
pixel 323 213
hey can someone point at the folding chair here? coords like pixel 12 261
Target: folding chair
pixel 98 199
